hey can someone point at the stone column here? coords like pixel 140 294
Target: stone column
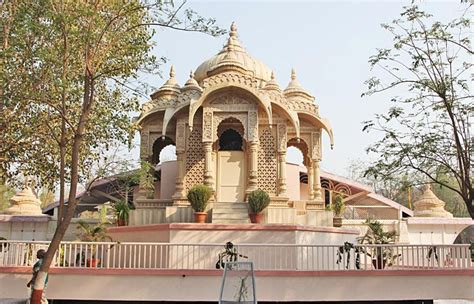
pixel 282 144
pixel 180 191
pixel 310 170
pixel 208 178
pixel 253 163
pixel 317 182
pixel 179 196
pixel 282 178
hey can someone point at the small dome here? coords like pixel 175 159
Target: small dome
pixel 272 85
pixel 191 84
pixel 295 88
pixel 171 87
pixel 233 54
pixel 429 205
pixel 24 203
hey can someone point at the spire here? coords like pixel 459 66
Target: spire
pixel 294 87
pixel 170 86
pixel 233 29
pixel 191 83
pixel 233 43
pixel 172 72
pixel 272 84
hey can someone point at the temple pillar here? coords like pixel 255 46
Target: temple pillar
pixel 253 166
pixel 310 170
pixel 282 177
pixel 180 191
pixel 179 196
pixel 317 182
pixel 208 178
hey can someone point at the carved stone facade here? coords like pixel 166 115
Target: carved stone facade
pixel 230 92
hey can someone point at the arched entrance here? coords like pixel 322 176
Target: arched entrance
pixel 231 166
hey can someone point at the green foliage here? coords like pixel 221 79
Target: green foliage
pixel 258 201
pixel 6 193
pixel 198 196
pixel 376 235
pixel 428 127
pixel 95 232
pixel 338 205
pixel 122 211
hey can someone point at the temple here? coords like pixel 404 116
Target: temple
pixel 231 124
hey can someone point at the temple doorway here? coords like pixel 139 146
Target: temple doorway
pixel 231 171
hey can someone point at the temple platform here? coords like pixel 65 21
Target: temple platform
pixel 191 233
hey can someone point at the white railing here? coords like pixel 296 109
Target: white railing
pixel 111 255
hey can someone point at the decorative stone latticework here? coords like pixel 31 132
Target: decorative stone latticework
pixel 267 162
pixel 194 159
pixel 232 124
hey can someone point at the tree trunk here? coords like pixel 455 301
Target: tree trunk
pixel 62 227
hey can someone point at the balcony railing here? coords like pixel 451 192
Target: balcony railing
pixel 112 255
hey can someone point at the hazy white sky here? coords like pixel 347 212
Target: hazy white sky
pixel 328 43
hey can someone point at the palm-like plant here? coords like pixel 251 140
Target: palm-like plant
pixel 381 256
pixel 95 232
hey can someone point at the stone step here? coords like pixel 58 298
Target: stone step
pixel 230 216
pixel 229 205
pixel 231 221
pixel 229 210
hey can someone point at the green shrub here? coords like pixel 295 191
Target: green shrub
pixel 122 211
pixel 198 197
pixel 258 201
pixel 338 205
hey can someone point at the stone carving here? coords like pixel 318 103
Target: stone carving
pixel 267 163
pixel 144 146
pixel 230 78
pixel 229 103
pixel 316 145
pixel 220 116
pixel 180 135
pixel 253 126
pixel 207 125
pixel 282 137
pixel 194 159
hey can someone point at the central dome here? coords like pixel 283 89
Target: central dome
pixel 233 55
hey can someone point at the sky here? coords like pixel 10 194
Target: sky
pixel 327 43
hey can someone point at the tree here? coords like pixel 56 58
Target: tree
pixel 66 87
pixel 427 132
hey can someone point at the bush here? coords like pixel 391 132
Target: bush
pixel 258 201
pixel 198 196
pixel 122 211
pixel 338 206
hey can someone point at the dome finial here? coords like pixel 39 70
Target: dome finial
pixel 272 77
pixel 293 74
pixel 191 74
pixel 172 72
pixel 233 29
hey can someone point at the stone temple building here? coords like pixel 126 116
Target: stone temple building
pixel 231 124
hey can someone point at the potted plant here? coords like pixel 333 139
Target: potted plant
pixel 122 213
pixel 258 201
pixel 198 196
pixel 381 256
pixel 338 207
pixel 94 233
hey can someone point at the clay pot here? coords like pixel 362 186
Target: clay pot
pixel 200 217
pixel 257 218
pixel 337 221
pixel 121 223
pixel 92 262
